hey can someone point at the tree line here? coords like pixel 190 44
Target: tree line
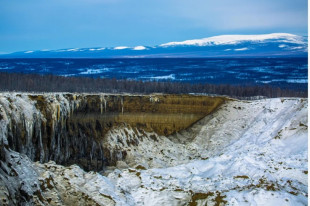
pixel 51 83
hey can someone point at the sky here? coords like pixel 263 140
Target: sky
pixel 56 24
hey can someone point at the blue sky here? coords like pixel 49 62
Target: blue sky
pixel 56 24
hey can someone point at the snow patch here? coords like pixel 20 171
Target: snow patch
pixel 236 39
pixel 296 47
pixel 121 47
pixel 97 49
pixel 94 71
pixel 241 49
pixel 73 50
pixel 170 76
pixel 139 48
pixel 6 68
pixel 299 81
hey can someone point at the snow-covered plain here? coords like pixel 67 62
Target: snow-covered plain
pixel 246 153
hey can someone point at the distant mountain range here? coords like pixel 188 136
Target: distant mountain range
pixel 265 45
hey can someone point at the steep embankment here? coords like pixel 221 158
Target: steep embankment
pixel 242 153
pixel 71 129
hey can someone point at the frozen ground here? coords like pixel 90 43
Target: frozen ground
pixel 246 153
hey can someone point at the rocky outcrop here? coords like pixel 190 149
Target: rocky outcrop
pixel 254 152
pixel 92 131
pixel 71 128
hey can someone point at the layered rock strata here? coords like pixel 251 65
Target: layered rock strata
pixel 72 128
pixel 241 153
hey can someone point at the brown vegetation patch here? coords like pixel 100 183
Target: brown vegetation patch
pixel 131 170
pixel 107 196
pixel 302 125
pixel 241 177
pixel 179 190
pixel 218 199
pixel 140 167
pixel 199 196
pixel 279 135
pixel 269 186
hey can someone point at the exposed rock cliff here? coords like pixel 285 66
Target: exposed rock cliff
pixel 155 150
pixel 71 128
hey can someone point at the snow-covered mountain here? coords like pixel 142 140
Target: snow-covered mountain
pixel 264 45
pixel 238 39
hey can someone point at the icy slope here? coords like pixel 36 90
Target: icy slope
pixel 257 156
pixel 255 153
pixel 237 39
pixel 245 153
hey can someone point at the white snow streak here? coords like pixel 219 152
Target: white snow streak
pixel 235 39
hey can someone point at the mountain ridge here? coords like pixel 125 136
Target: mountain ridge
pixel 263 45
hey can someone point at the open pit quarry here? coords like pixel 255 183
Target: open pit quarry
pixel 108 149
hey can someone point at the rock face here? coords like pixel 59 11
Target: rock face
pixel 155 150
pixel 71 129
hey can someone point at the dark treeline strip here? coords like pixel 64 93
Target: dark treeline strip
pixel 52 83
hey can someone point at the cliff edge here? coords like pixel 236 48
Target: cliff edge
pixel 151 150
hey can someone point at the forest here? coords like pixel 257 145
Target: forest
pixel 19 82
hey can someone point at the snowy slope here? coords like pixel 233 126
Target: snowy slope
pixel 236 39
pixel 256 154
pixel 246 153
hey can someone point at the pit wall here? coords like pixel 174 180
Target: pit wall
pixel 71 128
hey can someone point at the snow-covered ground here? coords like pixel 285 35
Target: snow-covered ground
pixel 246 153
pixel 235 39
